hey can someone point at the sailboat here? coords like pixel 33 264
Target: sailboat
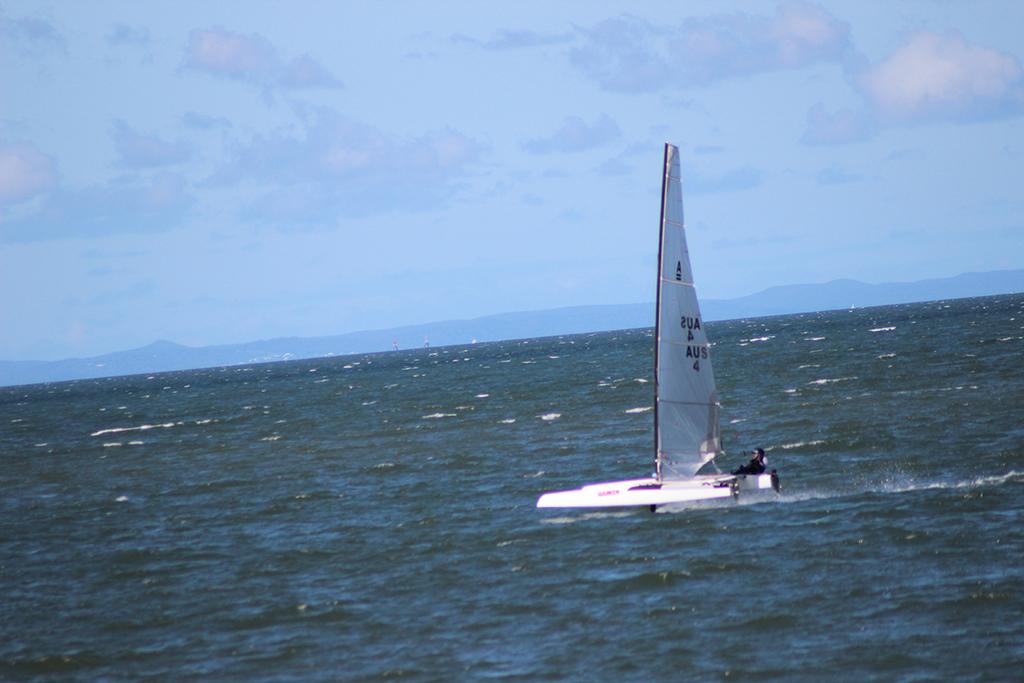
pixel 687 433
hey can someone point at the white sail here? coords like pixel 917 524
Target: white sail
pixel 686 410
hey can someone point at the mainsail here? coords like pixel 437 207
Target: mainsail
pixel 686 408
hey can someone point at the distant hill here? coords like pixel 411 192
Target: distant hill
pixel 164 356
pixel 847 293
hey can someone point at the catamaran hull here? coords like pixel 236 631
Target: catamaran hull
pixel 649 492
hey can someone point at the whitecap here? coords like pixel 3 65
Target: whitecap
pixel 121 499
pixel 641 380
pixel 384 466
pixel 113 444
pixel 815 339
pixel 272 437
pixel 642 409
pixel 886 356
pixel 801 444
pixel 831 380
pixel 481 396
pixel 136 443
pixel 437 416
pixel 140 428
pixel 882 329
pixel 977 482
pixel 507 421
pixel 548 417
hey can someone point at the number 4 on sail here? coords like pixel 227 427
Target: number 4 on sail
pixel 687 435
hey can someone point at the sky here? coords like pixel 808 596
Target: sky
pixel 212 173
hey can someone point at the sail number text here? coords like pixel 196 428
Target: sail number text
pixel 693 351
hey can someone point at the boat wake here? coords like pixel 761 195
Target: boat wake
pixel 900 485
pixel 1012 476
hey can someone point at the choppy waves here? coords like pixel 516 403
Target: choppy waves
pixel 382 523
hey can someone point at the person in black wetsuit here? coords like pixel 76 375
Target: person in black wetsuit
pixel 756 464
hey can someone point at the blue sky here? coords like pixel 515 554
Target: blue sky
pixel 222 172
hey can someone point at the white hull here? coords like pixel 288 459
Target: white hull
pixel 647 492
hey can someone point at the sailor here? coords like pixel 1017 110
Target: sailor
pixel 756 464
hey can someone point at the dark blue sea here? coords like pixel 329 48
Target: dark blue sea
pixel 372 517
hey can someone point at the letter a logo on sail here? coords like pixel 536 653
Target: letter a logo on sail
pixel 679 270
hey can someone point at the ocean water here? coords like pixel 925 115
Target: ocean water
pixel 372 517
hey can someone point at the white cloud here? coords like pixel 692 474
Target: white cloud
pixel 515 39
pixel 252 59
pixel 123 35
pixel 928 78
pixel 943 77
pixel 576 135
pixel 306 72
pixel 336 166
pixel 146 206
pixel 833 175
pixel 629 54
pixel 32 36
pixel 138 150
pixel 24 173
pixel 198 121
pixel 231 55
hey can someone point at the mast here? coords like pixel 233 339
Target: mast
pixel 657 307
